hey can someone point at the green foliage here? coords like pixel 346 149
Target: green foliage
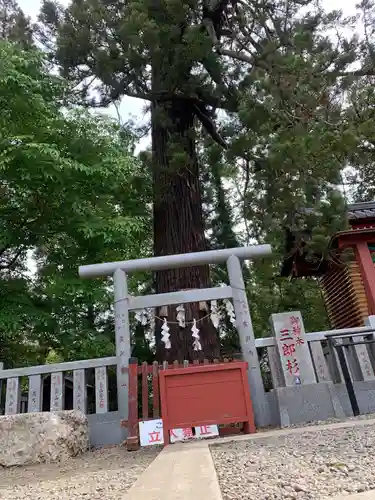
pixel 71 193
pixel 278 73
pixel 14 25
pixel 360 140
pixel 295 115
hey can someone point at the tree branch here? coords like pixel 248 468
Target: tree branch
pixel 236 55
pixel 13 260
pixel 209 125
pixel 4 249
pixel 230 93
pixel 360 72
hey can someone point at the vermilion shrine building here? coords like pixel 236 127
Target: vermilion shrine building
pixel 347 279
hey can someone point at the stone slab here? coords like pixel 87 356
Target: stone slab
pixel 180 472
pixel 365 393
pixel 308 403
pixel 105 429
pixel 294 352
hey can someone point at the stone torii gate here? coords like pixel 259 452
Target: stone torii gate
pixel 235 291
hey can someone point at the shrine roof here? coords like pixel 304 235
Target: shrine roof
pixel 362 210
pixel 333 242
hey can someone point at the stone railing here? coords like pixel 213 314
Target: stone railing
pixel 35 376
pixel 359 358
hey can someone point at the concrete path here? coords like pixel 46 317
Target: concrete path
pixel 185 471
pixel 179 472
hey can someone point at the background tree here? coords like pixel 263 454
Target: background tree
pixel 70 191
pixel 189 59
pixel 14 25
pixel 247 105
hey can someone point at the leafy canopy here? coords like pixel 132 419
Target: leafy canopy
pixel 71 192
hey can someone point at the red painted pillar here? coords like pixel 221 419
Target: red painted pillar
pixel 367 268
pixel 133 438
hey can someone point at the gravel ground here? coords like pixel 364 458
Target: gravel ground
pixel 311 465
pixel 367 416
pixel 104 474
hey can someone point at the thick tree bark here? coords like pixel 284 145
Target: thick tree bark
pixel 178 225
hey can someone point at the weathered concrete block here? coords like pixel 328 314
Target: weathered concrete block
pixel 308 403
pixel 30 438
pixel 105 429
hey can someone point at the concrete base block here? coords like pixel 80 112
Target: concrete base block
pixel 308 403
pixel 105 429
pixel 365 392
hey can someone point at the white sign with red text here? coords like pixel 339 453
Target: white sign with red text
pixel 178 435
pixel 293 349
pixel 151 432
pixel 206 431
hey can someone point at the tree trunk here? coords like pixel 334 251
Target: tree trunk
pixel 178 226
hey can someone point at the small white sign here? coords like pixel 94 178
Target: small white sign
pixel 151 432
pixel 178 435
pixel 206 431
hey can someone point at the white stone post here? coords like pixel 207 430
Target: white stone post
pixel 101 389
pixel 57 391
pixel 320 364
pixel 79 390
pixel 294 352
pixel 12 398
pixel 123 349
pixel 35 399
pixel 247 342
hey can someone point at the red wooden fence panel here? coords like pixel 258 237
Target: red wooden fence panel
pixel 144 390
pixel 205 395
pixel 155 390
pixel 139 377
